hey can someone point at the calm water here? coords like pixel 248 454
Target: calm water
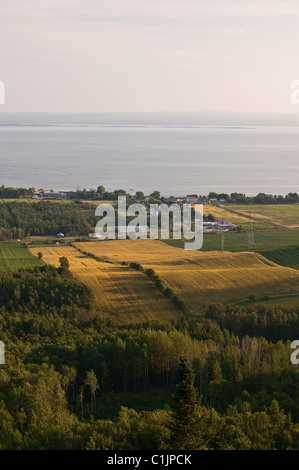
pixel 176 154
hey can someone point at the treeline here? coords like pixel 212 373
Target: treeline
pixel 64 360
pixel 101 192
pixel 160 284
pixel 44 218
pixel 261 198
pixel 155 196
pixel 273 323
pixel 15 193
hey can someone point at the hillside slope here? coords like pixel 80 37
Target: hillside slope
pixel 122 293
pixel 202 278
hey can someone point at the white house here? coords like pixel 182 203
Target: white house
pixel 93 235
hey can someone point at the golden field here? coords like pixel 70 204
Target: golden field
pixel 223 212
pixel 264 216
pixel 202 278
pixel 120 292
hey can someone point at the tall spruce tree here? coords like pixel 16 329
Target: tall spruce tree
pixel 185 411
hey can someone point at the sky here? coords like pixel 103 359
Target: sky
pixel 149 55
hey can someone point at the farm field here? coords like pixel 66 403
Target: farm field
pixel 200 277
pixel 288 256
pixel 234 241
pixel 279 215
pixel 15 256
pixel 281 247
pixel 122 293
pixel 224 213
pixel 291 301
pixel 264 216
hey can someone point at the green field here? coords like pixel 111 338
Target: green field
pixel 14 256
pixel 289 300
pixel 234 241
pixel 288 256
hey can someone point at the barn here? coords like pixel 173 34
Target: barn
pixel 224 224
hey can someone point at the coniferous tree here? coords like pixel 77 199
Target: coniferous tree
pixel 185 410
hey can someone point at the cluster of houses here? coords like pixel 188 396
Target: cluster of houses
pixel 208 227
pixel 194 198
pixel 190 198
pixel 50 194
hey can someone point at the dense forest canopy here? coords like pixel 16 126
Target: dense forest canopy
pixel 45 218
pixel 68 371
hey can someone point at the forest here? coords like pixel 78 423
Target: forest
pixel 261 198
pixel 20 219
pixel 44 218
pixel 15 193
pixel 74 379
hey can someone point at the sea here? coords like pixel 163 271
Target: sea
pixel 174 153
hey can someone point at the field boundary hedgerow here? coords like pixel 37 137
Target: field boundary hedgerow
pixel 159 283
pixel 121 293
pixel 162 286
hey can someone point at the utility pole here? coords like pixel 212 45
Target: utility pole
pixel 251 243
pixel 222 241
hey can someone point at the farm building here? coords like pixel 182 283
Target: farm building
pixel 54 195
pixel 209 224
pixel 93 235
pixel 209 227
pixel 225 225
